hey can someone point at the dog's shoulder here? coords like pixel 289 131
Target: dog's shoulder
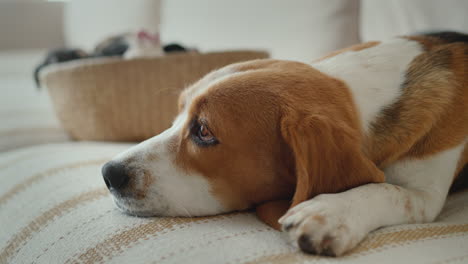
pixel 373 72
pixel 410 91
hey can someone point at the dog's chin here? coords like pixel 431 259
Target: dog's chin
pixel 150 208
pixel 130 210
pixel 136 213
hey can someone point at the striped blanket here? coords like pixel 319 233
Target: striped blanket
pixel 54 208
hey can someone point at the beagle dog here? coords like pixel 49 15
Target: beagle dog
pixel 369 136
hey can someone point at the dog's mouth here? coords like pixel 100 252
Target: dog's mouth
pixel 135 212
pixel 130 210
pixel 133 205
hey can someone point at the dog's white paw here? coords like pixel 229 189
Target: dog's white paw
pixel 324 225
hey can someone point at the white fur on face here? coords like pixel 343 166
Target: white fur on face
pixel 173 191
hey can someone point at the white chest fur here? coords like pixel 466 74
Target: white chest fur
pixel 374 75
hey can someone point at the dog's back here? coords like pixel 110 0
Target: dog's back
pixel 454 47
pixel 419 85
pixel 448 38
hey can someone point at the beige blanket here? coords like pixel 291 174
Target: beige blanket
pixel 54 208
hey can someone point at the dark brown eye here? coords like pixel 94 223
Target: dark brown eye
pixel 202 135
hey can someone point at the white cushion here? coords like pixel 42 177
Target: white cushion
pixel 385 19
pixel 88 22
pixel 55 208
pixel 26 114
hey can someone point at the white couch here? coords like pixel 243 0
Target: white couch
pixel 26 114
pixel 54 206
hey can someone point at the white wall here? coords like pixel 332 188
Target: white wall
pixel 296 29
pixel 89 21
pixel 30 25
pixel 382 19
pixel 289 29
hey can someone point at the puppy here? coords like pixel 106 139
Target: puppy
pixel 369 136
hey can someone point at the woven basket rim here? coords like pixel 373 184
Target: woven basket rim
pixel 113 98
pixel 102 61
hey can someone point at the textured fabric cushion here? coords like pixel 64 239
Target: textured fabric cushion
pixel 385 19
pixel 54 208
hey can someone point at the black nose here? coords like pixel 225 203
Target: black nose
pixel 114 175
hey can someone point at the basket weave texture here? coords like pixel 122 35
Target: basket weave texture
pixel 110 99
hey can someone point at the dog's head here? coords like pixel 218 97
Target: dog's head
pixel 247 134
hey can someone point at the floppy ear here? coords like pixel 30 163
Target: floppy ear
pixel 328 156
pixel 328 159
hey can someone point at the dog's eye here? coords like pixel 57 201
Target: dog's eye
pixel 203 136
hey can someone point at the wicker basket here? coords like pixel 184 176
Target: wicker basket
pixel 127 100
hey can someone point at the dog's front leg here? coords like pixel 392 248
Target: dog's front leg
pixel 332 224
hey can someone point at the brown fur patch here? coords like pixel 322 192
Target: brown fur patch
pixel 433 106
pixel 139 190
pixel 328 156
pixel 140 193
pixel 320 219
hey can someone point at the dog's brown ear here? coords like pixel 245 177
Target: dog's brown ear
pixel 328 156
